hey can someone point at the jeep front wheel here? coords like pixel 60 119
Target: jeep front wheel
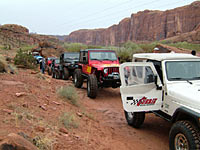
pixel 78 79
pixel 92 86
pixel 65 74
pixel 184 136
pixel 135 119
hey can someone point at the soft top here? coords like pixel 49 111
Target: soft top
pixel 164 56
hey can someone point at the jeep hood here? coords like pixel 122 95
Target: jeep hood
pixel 102 66
pixel 185 93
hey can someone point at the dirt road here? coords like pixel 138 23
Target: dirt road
pixel 102 125
pixel 153 135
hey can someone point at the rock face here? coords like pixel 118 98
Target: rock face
pixel 12 35
pixel 143 26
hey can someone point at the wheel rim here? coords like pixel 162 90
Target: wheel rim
pixel 130 115
pixel 63 76
pixel 75 78
pixel 88 87
pixel 181 142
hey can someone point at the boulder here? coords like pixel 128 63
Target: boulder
pixel 16 142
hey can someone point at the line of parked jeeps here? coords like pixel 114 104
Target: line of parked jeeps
pixel 167 85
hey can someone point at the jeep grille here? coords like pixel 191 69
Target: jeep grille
pixel 113 69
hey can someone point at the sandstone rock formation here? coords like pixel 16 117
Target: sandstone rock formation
pixel 12 35
pixel 16 142
pixel 144 26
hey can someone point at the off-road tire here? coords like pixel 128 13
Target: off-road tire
pixel 92 86
pixel 57 75
pixel 78 79
pixel 135 119
pixel 49 71
pixel 65 74
pixel 53 74
pixel 181 130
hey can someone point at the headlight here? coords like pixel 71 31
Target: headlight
pixel 105 70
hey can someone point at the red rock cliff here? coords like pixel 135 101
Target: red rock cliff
pixel 143 26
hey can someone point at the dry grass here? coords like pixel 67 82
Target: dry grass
pixel 69 120
pixel 68 93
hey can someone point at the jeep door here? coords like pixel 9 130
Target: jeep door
pixel 139 92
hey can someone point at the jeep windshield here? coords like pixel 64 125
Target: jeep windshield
pixel 71 56
pixel 57 61
pixel 103 55
pixel 183 70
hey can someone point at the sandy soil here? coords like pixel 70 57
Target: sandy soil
pixel 102 125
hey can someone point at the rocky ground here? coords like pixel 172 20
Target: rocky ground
pixel 31 107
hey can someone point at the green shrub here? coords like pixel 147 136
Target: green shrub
pixel 148 47
pixel 76 47
pixel 43 143
pixel 125 51
pixel 2 64
pixel 69 120
pixel 25 59
pixel 69 93
pixel 186 45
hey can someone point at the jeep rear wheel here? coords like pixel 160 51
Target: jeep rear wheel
pixel 92 86
pixel 65 74
pixel 49 71
pixel 135 119
pixel 184 136
pixel 53 74
pixel 78 79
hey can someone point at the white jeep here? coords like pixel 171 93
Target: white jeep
pixel 167 84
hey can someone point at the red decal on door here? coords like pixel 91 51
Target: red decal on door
pixel 146 102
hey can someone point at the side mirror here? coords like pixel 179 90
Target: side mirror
pixel 119 58
pixel 156 83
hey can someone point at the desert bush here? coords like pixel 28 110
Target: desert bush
pixel 2 64
pixel 74 47
pixel 186 45
pixel 42 143
pixel 25 59
pixel 125 51
pixel 148 47
pixel 68 93
pixel 69 120
pixel 5 66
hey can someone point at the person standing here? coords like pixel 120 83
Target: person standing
pixel 42 65
pixel 156 50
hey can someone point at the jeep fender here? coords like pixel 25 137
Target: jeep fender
pixel 184 113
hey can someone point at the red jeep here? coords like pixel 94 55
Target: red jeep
pixel 100 68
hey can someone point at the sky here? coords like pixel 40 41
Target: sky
pixel 61 17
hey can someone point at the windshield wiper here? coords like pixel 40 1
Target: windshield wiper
pixel 197 78
pixel 178 78
pixel 95 59
pixel 189 81
pixel 107 59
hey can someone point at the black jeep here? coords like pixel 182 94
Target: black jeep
pixel 55 67
pixel 68 63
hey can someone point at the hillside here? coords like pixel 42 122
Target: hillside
pixel 144 26
pixel 31 107
pixel 15 36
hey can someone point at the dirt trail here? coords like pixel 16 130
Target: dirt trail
pixel 153 135
pixel 106 130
